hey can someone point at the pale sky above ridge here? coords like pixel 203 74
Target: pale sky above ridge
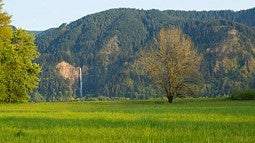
pixel 45 14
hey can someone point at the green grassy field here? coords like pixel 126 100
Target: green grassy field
pixel 186 120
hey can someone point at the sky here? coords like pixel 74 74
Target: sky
pixel 45 14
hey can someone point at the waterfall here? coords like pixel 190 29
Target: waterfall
pixel 80 83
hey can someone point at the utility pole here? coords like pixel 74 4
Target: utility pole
pixel 80 83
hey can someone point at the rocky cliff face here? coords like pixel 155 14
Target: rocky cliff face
pixel 68 71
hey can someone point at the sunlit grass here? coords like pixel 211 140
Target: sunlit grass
pixel 186 120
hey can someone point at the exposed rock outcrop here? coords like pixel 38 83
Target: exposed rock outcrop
pixel 68 71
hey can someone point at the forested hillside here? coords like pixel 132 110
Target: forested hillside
pixel 106 44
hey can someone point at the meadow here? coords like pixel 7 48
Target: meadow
pixel 186 120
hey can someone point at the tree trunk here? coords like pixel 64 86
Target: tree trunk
pixel 170 98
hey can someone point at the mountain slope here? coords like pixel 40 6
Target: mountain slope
pixel 105 45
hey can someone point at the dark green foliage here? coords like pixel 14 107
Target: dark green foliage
pixel 248 94
pixel 36 97
pixel 246 17
pixel 106 44
pixel 34 32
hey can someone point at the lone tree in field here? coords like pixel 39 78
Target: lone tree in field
pixel 174 63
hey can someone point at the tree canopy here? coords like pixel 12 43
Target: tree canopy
pixel 173 64
pixel 18 72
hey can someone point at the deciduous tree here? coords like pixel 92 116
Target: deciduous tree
pixel 18 72
pixel 173 64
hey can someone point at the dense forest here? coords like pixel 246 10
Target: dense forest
pixel 106 44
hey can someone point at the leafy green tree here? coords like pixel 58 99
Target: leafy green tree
pixel 18 72
pixel 5 36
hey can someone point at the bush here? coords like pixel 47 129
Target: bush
pixel 244 95
pixel 36 97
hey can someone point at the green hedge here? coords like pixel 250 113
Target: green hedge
pixel 248 94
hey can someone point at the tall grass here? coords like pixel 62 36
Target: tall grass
pixel 205 120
